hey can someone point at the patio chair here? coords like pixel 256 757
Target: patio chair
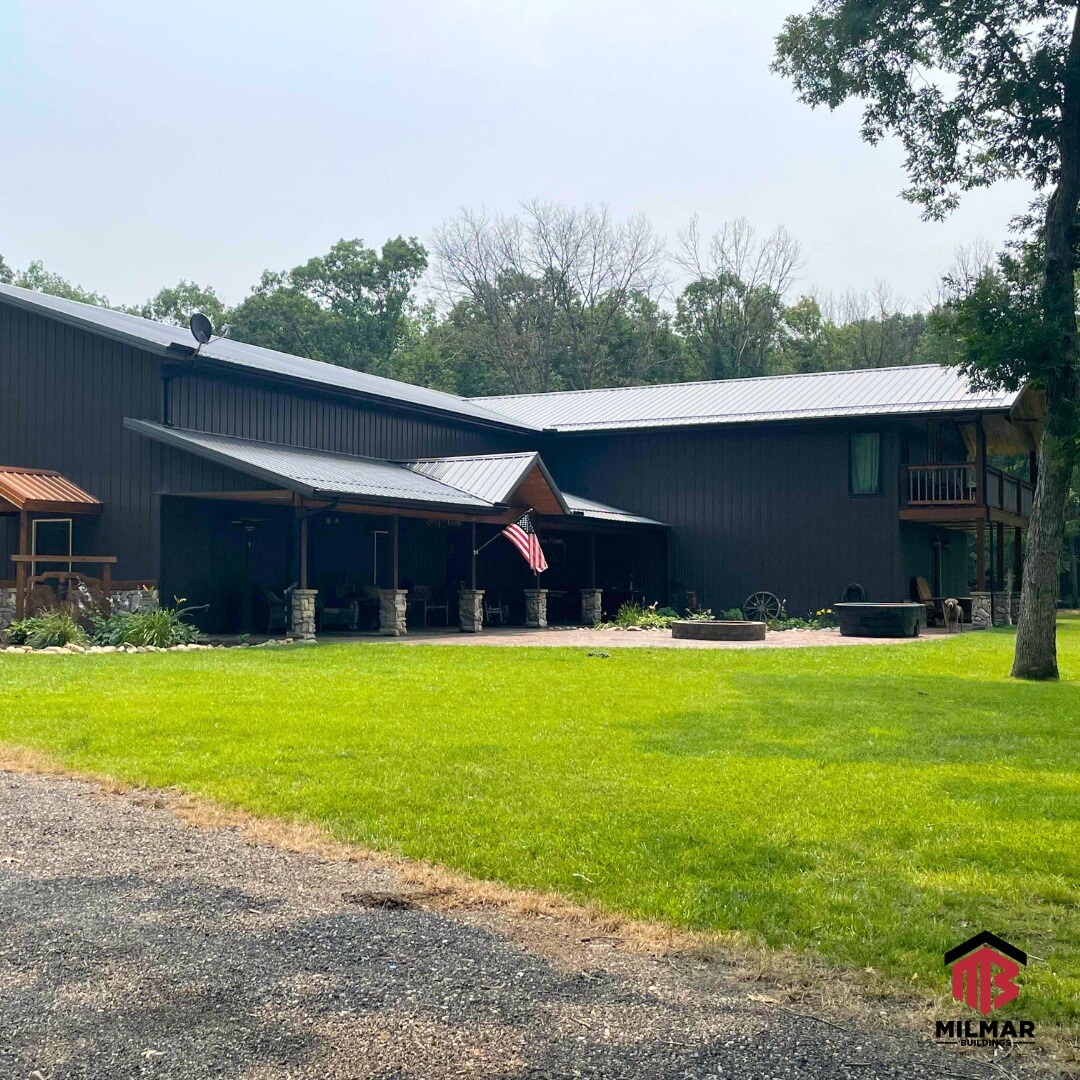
pixel 277 612
pixel 495 610
pixel 421 596
pixel 925 597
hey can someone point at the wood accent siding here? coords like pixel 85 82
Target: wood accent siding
pixel 760 507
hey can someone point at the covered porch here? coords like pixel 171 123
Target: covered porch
pixel 47 512
pixel 305 541
pixel 965 497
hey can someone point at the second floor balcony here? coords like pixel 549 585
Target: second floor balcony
pixel 940 488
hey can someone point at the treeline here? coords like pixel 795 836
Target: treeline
pixel 554 297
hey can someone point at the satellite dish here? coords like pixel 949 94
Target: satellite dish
pixel 201 329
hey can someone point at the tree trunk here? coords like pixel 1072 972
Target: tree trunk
pixel 1036 638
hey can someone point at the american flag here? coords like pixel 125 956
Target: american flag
pixel 522 535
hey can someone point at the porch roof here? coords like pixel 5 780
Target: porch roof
pixel 472 485
pixel 43 490
pixel 317 473
pixel 496 478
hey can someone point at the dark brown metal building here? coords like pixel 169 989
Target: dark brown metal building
pixel 195 457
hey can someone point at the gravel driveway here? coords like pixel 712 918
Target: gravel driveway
pixel 133 945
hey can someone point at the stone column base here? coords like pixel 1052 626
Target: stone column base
pixel 393 603
pixel 471 611
pixel 536 608
pixel 980 610
pixel 592 606
pixel 303 613
pixel 1006 608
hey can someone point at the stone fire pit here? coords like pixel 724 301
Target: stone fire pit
pixel 718 630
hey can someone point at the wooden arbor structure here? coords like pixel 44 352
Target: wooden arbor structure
pixel 30 492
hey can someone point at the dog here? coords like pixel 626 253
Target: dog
pixel 954 615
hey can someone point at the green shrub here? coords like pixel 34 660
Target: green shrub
pixel 644 616
pixel 161 628
pixel 47 629
pixel 733 614
pixel 701 615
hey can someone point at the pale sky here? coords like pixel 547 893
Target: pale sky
pixel 145 142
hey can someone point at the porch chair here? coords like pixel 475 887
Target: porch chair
pixel 495 610
pixel 277 612
pixel 925 597
pixel 421 595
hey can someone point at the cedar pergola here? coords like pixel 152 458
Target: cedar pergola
pixel 27 492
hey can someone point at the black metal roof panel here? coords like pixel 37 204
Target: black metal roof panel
pixel 926 388
pixel 177 341
pixel 316 473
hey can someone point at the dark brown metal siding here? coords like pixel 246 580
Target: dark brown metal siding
pixel 760 507
pixel 63 396
pixel 228 407
pixel 65 392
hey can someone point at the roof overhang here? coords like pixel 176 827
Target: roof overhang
pixel 42 491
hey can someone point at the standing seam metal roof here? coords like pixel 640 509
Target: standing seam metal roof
pixel 20 487
pixel 314 472
pixel 926 388
pixel 177 342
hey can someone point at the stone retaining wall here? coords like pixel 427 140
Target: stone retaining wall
pixel 124 600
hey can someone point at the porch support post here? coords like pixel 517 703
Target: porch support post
pixel 536 608
pixel 302 612
pixel 592 560
pixel 20 568
pixel 303 550
pixel 1018 557
pixel 980 556
pixel 471 611
pixel 395 576
pixel 472 556
pixel 592 606
pixel 393 602
pixel 999 558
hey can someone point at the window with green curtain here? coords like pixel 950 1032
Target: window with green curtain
pixel 866 463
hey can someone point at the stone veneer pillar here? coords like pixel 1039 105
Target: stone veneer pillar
pixel 393 604
pixel 1006 608
pixel 471 610
pixel 592 606
pixel 536 608
pixel 980 610
pixel 303 613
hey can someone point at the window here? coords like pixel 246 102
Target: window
pixel 866 464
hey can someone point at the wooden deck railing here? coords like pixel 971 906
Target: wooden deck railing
pixel 958 485
pixel 940 485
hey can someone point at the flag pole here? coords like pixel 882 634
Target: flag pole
pixel 491 540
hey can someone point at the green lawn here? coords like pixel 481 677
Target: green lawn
pixel 876 805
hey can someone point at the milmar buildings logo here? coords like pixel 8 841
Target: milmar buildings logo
pixel 984 971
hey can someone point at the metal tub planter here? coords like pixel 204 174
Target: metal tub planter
pixel 718 630
pixel 879 620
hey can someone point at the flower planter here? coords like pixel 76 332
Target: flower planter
pixel 879 620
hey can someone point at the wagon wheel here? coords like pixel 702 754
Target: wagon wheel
pixel 762 606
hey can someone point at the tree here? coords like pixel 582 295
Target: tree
pixel 541 297
pixel 345 307
pixel 7 275
pixel 730 314
pixel 978 91
pixel 36 277
pixel 176 304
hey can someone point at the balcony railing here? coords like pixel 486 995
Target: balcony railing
pixel 958 485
